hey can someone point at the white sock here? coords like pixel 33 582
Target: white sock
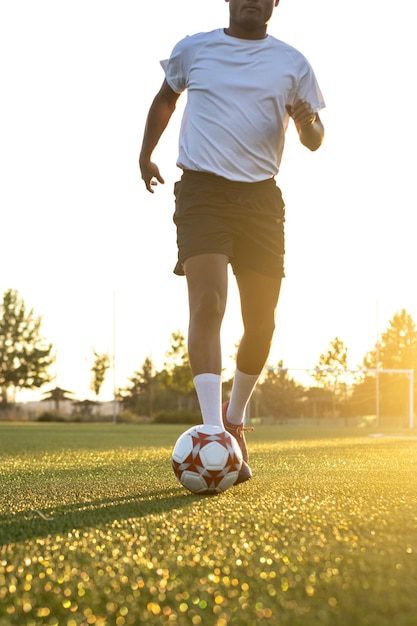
pixel 242 389
pixel 209 392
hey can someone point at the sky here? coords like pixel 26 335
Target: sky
pixel 92 252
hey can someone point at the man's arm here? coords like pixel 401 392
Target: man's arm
pixel 308 124
pixel 159 115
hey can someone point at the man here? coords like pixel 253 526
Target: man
pixel 243 86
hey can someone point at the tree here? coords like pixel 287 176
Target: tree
pixel 169 390
pixel 280 394
pixel 139 397
pixel 396 349
pixel 99 369
pixel 177 375
pixel 398 345
pixel 330 364
pixel 25 356
pixel 331 371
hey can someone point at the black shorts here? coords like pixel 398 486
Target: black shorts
pixel 244 221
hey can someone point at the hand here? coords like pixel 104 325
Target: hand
pixel 301 112
pixel 150 174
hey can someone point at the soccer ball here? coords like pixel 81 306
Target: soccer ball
pixel 206 459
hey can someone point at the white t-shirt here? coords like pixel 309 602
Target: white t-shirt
pixel 235 119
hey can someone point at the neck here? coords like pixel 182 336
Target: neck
pixel 243 33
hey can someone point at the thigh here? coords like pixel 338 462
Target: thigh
pixel 206 276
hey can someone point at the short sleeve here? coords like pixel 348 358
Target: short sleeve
pixel 308 88
pixel 175 67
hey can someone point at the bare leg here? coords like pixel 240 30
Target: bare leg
pixel 259 297
pixel 207 294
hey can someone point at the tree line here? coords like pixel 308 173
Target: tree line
pixel 330 388
pixel 333 389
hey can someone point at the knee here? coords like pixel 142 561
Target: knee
pixel 208 306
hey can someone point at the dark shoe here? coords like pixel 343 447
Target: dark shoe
pixel 238 432
pixel 245 473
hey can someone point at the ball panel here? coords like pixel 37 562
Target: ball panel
pixel 214 455
pixel 183 447
pixel 194 482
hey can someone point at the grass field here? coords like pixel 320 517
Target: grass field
pixel 94 529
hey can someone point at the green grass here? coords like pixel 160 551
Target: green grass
pixel 94 529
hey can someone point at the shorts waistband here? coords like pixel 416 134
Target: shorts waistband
pixel 219 181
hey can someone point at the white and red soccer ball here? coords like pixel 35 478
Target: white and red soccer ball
pixel 206 459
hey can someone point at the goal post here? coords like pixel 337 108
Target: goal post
pixel 377 372
pixel 410 374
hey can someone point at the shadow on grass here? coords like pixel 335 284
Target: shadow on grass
pixel 38 523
